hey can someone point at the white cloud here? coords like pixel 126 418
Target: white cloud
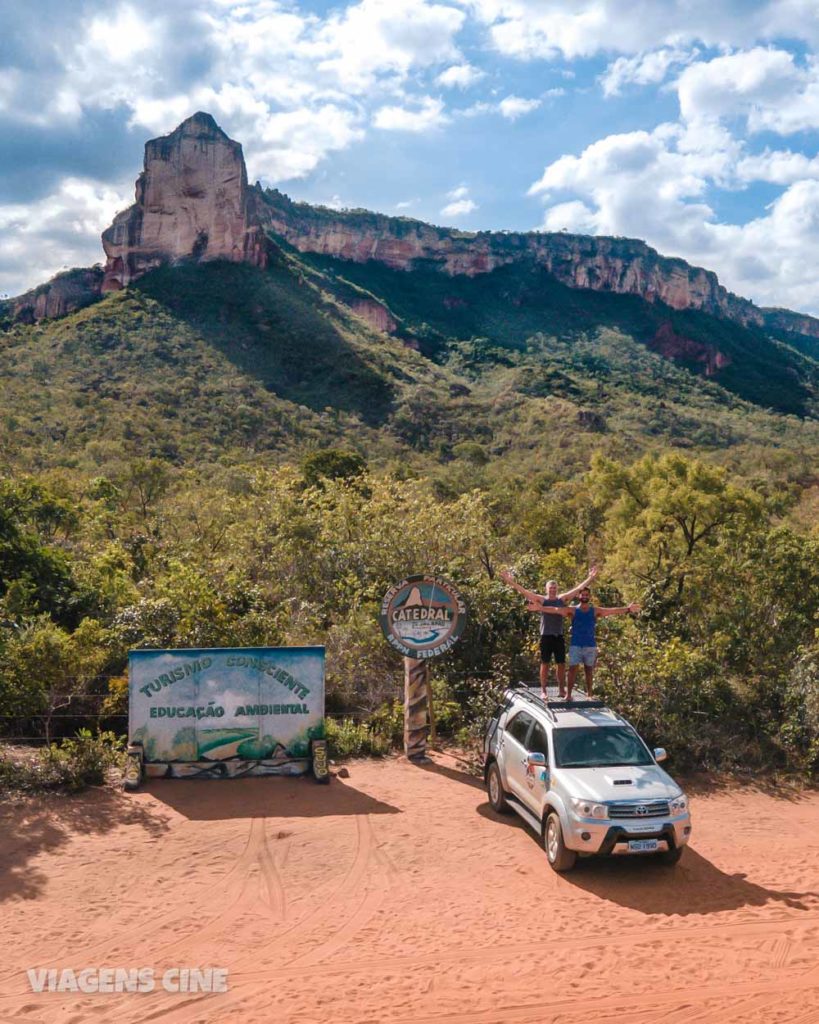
pixel 290 144
pixel 764 86
pixel 477 109
pixel 573 216
pixel 120 37
pixel 460 76
pixel 653 185
pixel 375 36
pixel 161 62
pixel 513 107
pixel 780 167
pixel 459 208
pixel 529 29
pixel 59 231
pixel 428 115
pixel 737 84
pixel 460 204
pixel 644 69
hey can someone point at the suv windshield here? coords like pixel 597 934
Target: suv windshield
pixel 599 747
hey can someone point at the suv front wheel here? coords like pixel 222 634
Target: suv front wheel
pixel 561 858
pixel 671 857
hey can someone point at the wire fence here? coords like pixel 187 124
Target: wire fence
pixel 84 709
pixel 52 724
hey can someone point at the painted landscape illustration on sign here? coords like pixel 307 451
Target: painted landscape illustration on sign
pixel 260 704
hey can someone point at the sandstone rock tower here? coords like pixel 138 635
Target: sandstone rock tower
pixel 192 201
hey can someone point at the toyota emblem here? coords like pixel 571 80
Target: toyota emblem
pixel 641 810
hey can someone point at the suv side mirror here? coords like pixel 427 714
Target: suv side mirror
pixel 537 758
pixel 660 754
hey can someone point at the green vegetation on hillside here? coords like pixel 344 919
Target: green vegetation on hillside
pixel 224 455
pixel 517 301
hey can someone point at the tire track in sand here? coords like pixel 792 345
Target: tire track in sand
pixel 71 953
pixel 366 851
pixel 641 1010
pixel 252 880
pixel 377 886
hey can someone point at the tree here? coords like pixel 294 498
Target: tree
pixel 331 464
pixel 35 576
pixel 662 512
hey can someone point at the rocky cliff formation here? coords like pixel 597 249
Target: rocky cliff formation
pixel 623 265
pixel 192 200
pixel 795 323
pixel 64 293
pixel 675 346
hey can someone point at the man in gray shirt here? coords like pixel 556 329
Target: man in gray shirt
pixel 552 644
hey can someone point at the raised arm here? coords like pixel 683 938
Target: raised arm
pixel 576 590
pixel 628 609
pixel 548 609
pixel 510 581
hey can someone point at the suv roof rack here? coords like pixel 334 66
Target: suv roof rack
pixel 524 690
pixel 552 707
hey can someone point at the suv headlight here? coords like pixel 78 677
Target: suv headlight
pixel 679 805
pixel 589 809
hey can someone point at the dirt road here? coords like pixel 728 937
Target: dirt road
pixel 397 895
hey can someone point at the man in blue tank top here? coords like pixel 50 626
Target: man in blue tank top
pixel 583 644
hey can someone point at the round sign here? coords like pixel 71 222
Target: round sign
pixel 422 616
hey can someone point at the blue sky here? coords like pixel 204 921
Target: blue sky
pixel 692 124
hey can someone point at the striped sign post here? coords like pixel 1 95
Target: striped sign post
pixel 422 617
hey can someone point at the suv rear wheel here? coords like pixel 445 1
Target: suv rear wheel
pixel 494 787
pixel 561 858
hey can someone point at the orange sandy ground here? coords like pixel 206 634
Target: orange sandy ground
pixel 397 895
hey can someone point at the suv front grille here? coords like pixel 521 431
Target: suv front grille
pixel 636 809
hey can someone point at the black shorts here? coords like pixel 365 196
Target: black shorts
pixel 553 646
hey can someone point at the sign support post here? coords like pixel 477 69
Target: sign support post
pixel 422 617
pixel 431 709
pixel 416 728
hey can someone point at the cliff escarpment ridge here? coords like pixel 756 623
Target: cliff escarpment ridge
pixel 193 202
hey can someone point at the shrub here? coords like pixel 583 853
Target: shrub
pixel 347 738
pixel 800 731
pixel 332 464
pixel 84 760
pixel 21 775
pixel 388 722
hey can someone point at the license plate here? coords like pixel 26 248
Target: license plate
pixel 643 845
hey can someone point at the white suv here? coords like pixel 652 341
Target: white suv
pixel 583 779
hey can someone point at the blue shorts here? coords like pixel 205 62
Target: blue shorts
pixel 583 656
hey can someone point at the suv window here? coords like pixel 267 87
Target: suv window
pixel 599 747
pixel 519 726
pixel 538 743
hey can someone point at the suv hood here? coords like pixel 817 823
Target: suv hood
pixel 646 782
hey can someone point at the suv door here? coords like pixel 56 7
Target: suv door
pixel 536 781
pixel 515 761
